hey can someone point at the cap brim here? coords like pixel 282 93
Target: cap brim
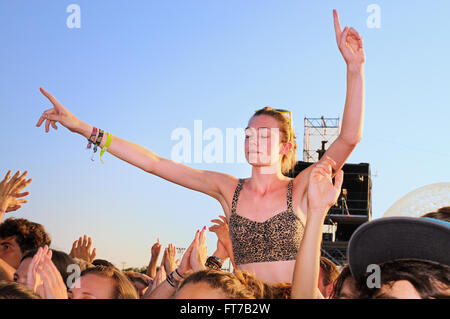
pixel 393 238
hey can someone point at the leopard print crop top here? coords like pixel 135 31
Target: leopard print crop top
pixel 276 239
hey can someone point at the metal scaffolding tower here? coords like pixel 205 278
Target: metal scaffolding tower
pixel 318 132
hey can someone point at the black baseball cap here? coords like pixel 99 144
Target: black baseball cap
pixel 394 238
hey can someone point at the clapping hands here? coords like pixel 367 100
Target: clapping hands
pixel 44 278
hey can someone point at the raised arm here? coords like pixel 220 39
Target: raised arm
pixel 322 194
pixel 193 260
pixel 155 251
pixel 207 182
pixel 351 46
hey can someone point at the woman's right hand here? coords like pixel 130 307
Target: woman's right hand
pixel 58 114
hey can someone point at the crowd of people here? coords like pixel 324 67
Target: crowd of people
pixel 271 229
pixel 411 253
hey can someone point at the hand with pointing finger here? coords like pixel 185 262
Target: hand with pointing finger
pixel 350 43
pixel 58 114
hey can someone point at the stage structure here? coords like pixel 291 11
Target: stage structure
pixel 319 133
pixel 354 206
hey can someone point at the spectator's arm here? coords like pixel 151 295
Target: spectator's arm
pixel 155 251
pixel 322 194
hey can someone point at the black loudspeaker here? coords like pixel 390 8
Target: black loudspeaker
pixel 353 208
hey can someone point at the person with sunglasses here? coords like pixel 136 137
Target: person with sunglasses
pixel 267 223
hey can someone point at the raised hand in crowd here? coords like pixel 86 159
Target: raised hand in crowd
pixel 322 194
pixel 10 196
pixel 81 249
pixel 199 251
pixel 155 251
pixel 170 264
pixel 33 279
pixel 44 278
pixel 193 260
pixel 160 277
pixel 53 285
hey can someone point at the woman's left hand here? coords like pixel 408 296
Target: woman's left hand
pixel 350 44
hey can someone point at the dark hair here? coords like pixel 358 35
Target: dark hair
pixel 14 290
pixel 442 213
pixel 102 262
pixel 82 263
pixel 130 275
pixel 59 258
pixel 329 270
pixel 124 288
pixel 429 278
pixel 29 235
pixel 339 282
pixel 231 285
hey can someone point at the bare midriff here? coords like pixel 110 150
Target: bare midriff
pixel 271 272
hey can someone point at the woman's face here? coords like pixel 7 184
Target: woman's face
pixel 262 141
pixel 199 290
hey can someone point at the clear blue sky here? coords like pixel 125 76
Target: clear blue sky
pixel 140 69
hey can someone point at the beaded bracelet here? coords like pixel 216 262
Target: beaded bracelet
pixel 91 139
pixel 99 140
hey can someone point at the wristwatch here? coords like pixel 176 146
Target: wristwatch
pixel 214 262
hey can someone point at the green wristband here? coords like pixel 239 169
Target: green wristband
pixel 107 144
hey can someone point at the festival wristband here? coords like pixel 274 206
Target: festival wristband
pixel 105 147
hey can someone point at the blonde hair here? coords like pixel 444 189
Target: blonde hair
pixel 263 290
pixel 288 160
pixel 239 285
pixel 124 288
pixel 231 285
